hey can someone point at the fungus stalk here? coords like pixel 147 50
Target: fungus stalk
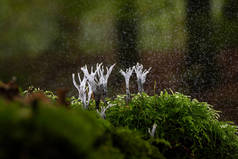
pixel 102 113
pixel 141 76
pixel 103 79
pixel 93 82
pixel 152 132
pixel 98 81
pixel 127 74
pixel 84 91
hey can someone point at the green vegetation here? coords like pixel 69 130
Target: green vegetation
pixel 43 41
pixel 47 131
pixel 32 127
pixel 191 127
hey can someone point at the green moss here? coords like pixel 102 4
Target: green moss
pixel 136 148
pixel 186 128
pixel 189 126
pixel 47 131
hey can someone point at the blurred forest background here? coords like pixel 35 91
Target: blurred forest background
pixel 191 45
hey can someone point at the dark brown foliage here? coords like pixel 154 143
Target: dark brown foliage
pixel 34 98
pixel 61 94
pixel 9 90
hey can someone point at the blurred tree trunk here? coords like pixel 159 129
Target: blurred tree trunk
pixel 66 43
pixel 230 23
pixel 202 70
pixel 230 10
pixel 58 59
pixel 127 30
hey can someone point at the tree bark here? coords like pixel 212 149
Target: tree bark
pixel 230 24
pixel 202 70
pixel 230 10
pixel 127 30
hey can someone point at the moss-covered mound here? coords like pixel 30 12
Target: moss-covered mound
pixel 44 131
pixel 32 126
pixel 190 127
